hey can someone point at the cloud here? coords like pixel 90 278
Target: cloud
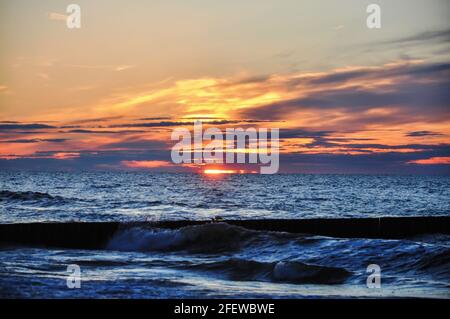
pixel 391 161
pixel 8 127
pixel 409 91
pixel 114 68
pixel 146 164
pixel 183 123
pixel 83 131
pixel 43 156
pixel 97 119
pixel 55 16
pixel 354 119
pixel 138 144
pixel 432 161
pixel 408 70
pixel 423 134
pixel 154 118
pixel 123 67
pixel 301 133
pixel 65 155
pixel 36 140
pixel 434 35
pixel 4 89
pixel 340 76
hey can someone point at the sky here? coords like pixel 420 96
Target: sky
pixel 106 96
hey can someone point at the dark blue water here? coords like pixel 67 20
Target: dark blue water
pixel 219 260
pixel 27 197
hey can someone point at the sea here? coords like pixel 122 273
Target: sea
pixel 219 260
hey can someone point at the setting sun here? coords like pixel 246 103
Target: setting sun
pixel 220 171
pixel 171 151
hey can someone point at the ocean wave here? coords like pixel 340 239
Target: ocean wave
pixel 436 263
pixel 132 203
pixel 294 272
pixel 105 186
pixel 100 263
pixel 213 237
pixel 299 199
pixel 27 196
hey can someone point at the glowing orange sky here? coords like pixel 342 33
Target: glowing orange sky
pixel 110 94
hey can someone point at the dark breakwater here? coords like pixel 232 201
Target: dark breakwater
pixel 95 235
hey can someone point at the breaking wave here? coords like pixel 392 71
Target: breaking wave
pixel 436 263
pixel 27 196
pixel 214 237
pixel 282 271
pixel 221 237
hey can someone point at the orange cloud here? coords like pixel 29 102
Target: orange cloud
pixel 349 111
pixel 65 155
pixel 145 164
pixel 432 161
